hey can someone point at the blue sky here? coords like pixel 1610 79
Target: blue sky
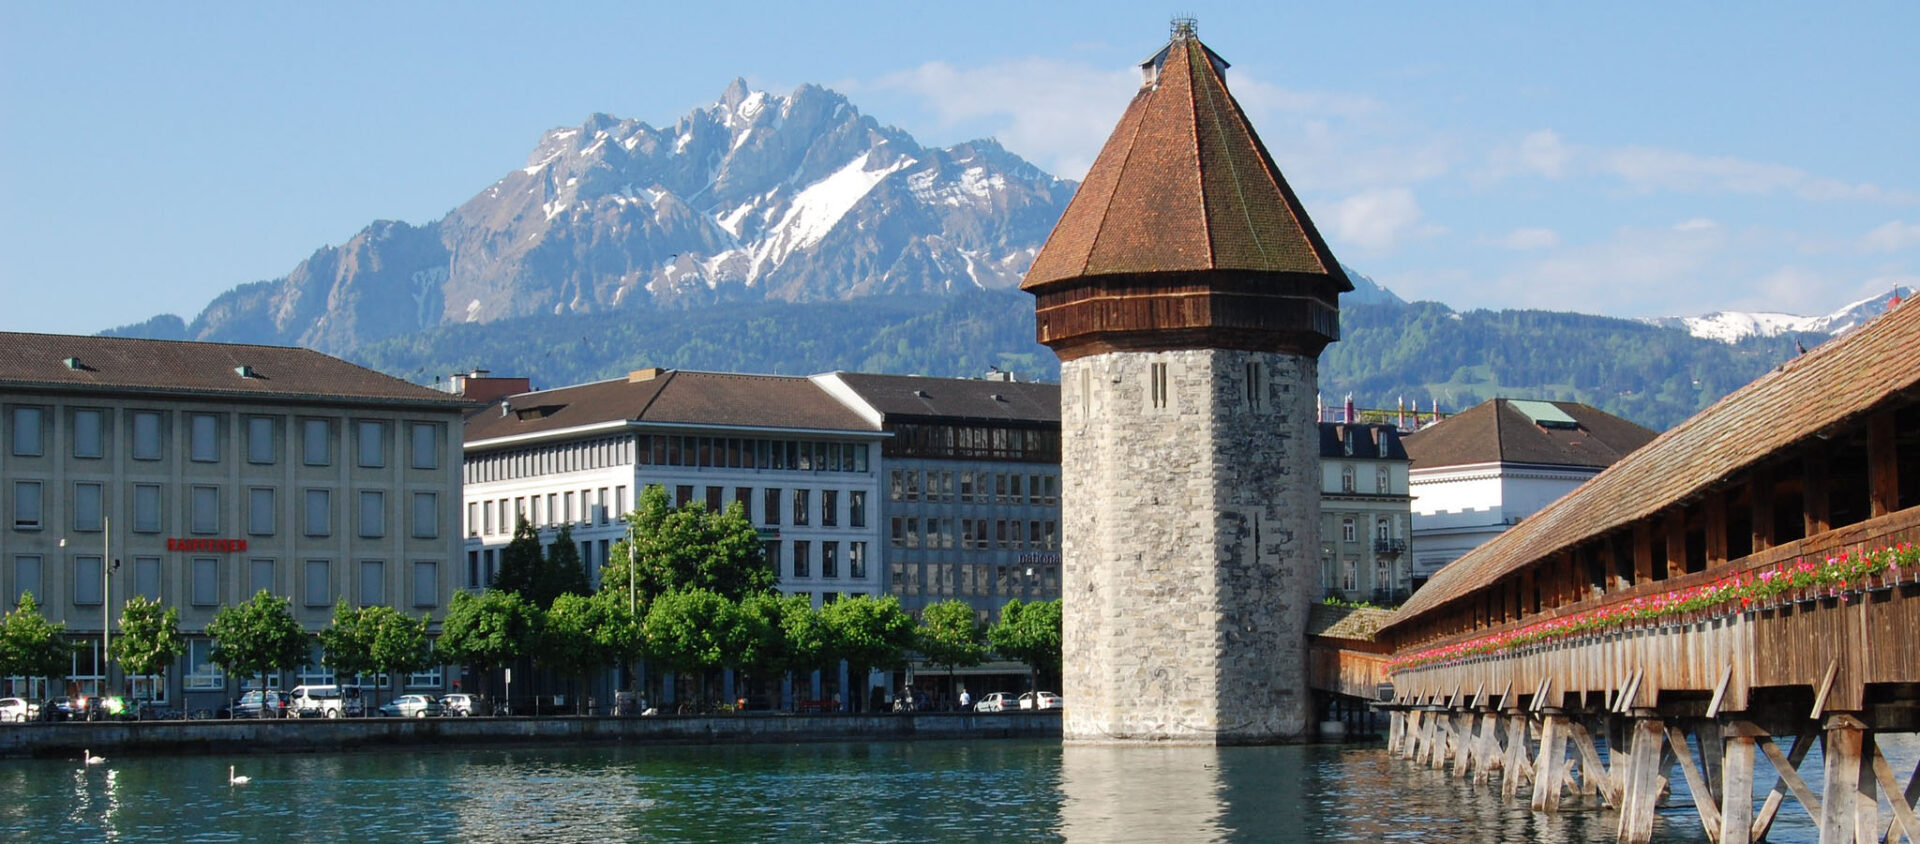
pixel 1634 159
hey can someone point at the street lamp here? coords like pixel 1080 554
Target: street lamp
pixel 106 599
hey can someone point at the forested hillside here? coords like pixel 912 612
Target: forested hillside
pixel 1421 351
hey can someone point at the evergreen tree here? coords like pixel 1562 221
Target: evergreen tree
pixel 563 562
pixel 521 563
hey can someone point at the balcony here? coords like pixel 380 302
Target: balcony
pixel 1389 547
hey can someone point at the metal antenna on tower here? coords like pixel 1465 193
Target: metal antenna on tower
pixel 1183 26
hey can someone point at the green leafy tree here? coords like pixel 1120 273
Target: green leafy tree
pixel 620 636
pixel 1029 633
pixel 568 574
pixel 399 643
pixel 257 638
pixel 692 631
pixel 950 634
pixel 571 641
pixel 32 646
pixel 346 645
pixel 149 639
pixel 688 547
pixel 786 635
pixel 868 633
pixel 488 631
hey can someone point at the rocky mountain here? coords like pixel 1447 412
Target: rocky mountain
pixel 1734 326
pixel 796 198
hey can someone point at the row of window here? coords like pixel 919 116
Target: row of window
pixel 483 563
pixel 317 577
pixel 1350 529
pixel 975 442
pixel 801 557
pixel 582 456
pixel 203 674
pixel 207 437
pixel 1349 575
pixel 748 453
pixel 204 510
pixel 973 580
pixel 976 534
pixel 1010 488
pixel 1382 479
pixel 497 516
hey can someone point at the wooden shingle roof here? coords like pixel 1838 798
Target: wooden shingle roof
pixel 1183 185
pixel 1834 384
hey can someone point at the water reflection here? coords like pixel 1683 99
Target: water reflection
pixel 1112 793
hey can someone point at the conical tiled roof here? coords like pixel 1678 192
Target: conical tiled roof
pixel 1184 234
pixel 1184 185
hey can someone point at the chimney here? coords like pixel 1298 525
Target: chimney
pixel 1350 414
pixel 479 385
pixel 647 374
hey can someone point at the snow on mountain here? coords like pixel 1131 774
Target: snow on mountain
pixel 1734 326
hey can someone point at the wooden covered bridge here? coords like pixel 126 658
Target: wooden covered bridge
pixel 1745 585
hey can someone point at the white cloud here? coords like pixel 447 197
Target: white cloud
pixel 1055 113
pixel 1697 224
pixel 1893 236
pixel 1531 238
pixel 1645 170
pixel 1377 220
pixel 1543 152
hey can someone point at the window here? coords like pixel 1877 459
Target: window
pixel 600 506
pixel 206 509
pixel 1349 575
pixel 316 442
pixel 319 584
pixel 426 445
pixel 86 581
pixel 86 507
pixel 89 438
pixel 205 432
pixel 829 559
pixel 428 678
pixel 146 577
pixel 373 514
pixel 146 435
pixel 714 495
pixel 801 564
pixel 1382 480
pixel 857 560
pixel 897 532
pixel 744 495
pixel 1381 578
pixel 800 506
pixel 426 515
pixel 373 583
pixel 260 439
pixel 896 486
pixel 966 487
pixel 372 440
pixel 206 581
pixel 202 671
pixel 319 512
pixel 260 575
pixel 1256 386
pixel 772 510
pixel 260 513
pixel 426 584
pixel 1348 532
pixel 773 554
pixel 473 518
pixel 619 503
pixel 1346 478
pixel 1157 385
pixel 27 433
pixel 1383 530
pixel 829 507
pixel 146 509
pixel 912 491
pixel 26 577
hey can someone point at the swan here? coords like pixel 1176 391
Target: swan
pixel 233 780
pixel 90 759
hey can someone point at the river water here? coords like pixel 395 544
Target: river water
pixel 880 791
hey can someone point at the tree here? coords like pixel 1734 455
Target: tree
pixel 399 644
pixel 785 633
pixel 346 645
pixel 149 639
pixel 688 547
pixel 868 633
pixel 489 630
pixel 571 642
pixel 257 638
pixel 567 572
pixel 521 562
pixel 31 646
pixel 950 634
pixel 692 630
pixel 1029 633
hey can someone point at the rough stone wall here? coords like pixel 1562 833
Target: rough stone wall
pixel 1191 540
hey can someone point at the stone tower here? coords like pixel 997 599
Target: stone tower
pixel 1188 297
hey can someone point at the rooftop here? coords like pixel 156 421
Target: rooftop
pixel 671 397
pixel 1532 432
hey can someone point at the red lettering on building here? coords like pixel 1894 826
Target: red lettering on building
pixel 206 546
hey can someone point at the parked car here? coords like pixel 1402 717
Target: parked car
pixel 64 708
pixel 249 705
pixel 410 706
pixel 17 709
pixel 1039 700
pixel 327 701
pixel 109 708
pixel 465 705
pixel 997 702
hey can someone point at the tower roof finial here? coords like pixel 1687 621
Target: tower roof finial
pixel 1183 27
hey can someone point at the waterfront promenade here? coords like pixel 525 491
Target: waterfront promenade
pixel 148 738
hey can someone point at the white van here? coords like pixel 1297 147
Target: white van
pixel 328 701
